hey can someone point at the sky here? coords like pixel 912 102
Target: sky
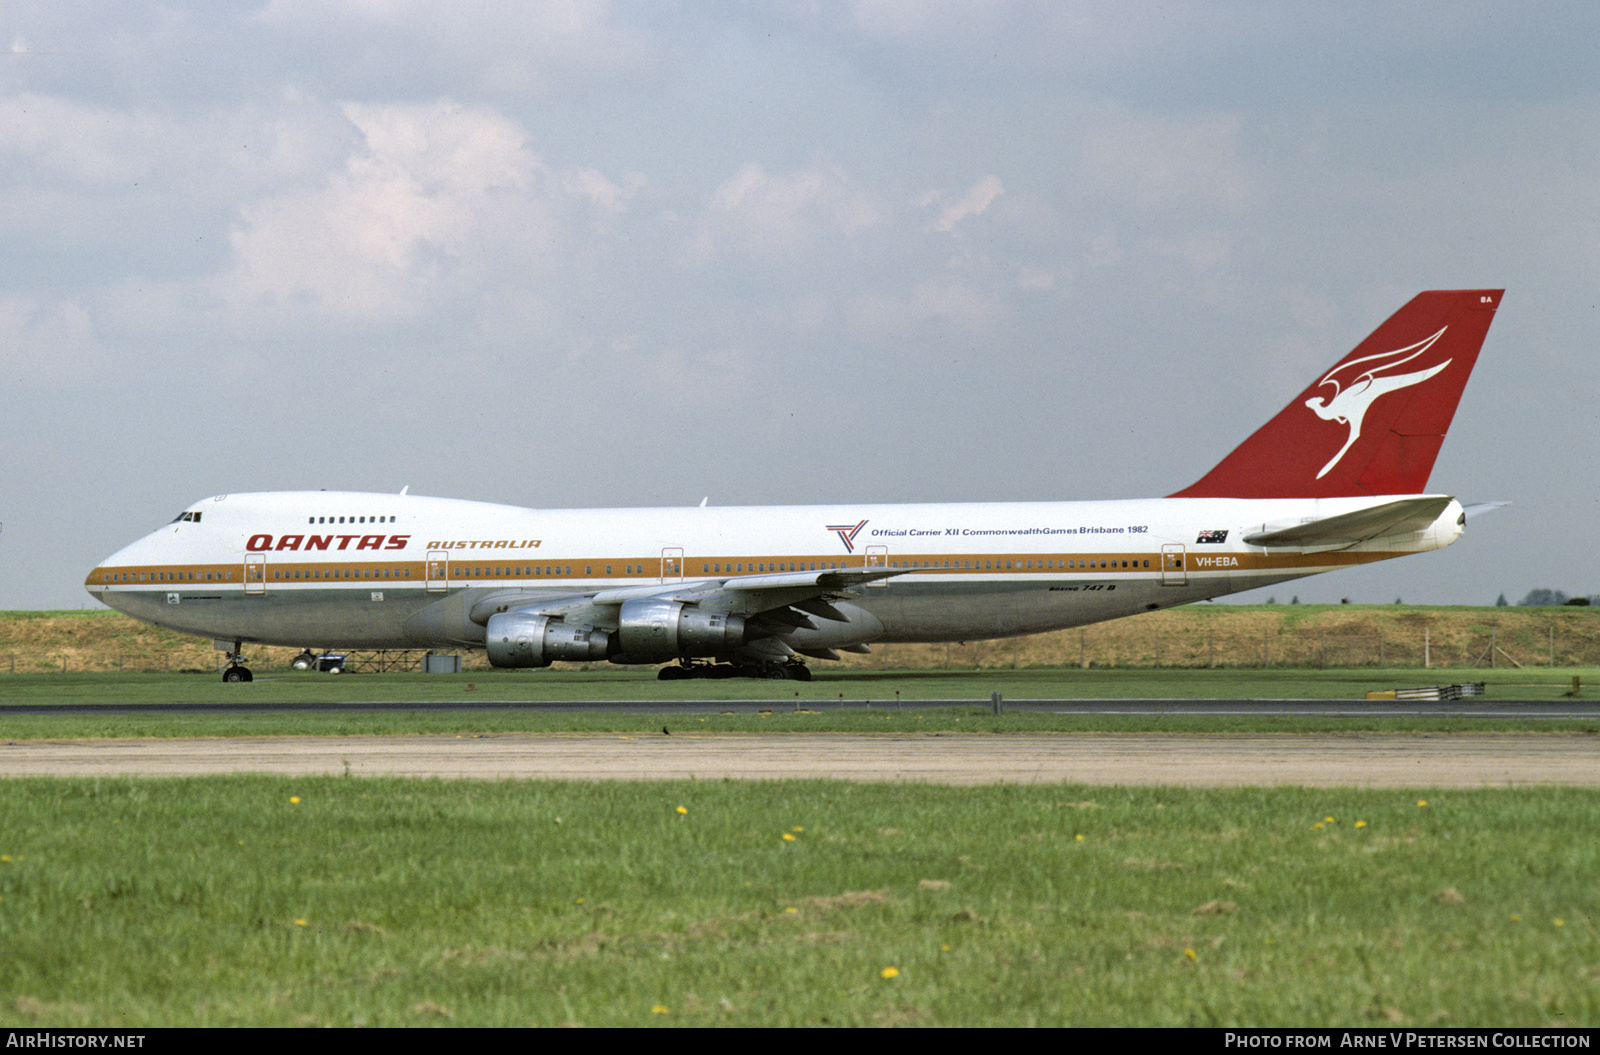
pixel 570 253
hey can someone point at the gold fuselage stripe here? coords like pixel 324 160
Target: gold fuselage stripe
pixel 460 572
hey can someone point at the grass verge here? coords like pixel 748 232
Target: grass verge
pixel 385 902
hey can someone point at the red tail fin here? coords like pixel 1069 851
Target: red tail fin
pixel 1374 423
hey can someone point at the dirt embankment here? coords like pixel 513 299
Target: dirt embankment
pixel 1194 636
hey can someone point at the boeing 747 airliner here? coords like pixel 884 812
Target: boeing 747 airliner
pixel 1338 478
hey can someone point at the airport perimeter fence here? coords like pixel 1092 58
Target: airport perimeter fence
pixel 1143 645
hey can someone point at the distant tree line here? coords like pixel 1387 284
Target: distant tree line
pixel 1542 597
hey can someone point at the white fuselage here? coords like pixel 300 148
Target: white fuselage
pixel 354 570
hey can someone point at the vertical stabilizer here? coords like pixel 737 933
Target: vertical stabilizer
pixel 1373 424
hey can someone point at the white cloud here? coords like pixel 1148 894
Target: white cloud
pixel 46 345
pixel 80 143
pixel 947 300
pixel 600 190
pixel 978 198
pixel 431 191
pixel 755 210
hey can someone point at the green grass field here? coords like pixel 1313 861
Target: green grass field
pixel 389 902
pixel 386 902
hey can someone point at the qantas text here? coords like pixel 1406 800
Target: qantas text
pixel 260 543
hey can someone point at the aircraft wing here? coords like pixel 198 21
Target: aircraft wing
pixel 782 597
pixel 1348 529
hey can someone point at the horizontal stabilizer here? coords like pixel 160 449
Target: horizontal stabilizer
pixel 1347 529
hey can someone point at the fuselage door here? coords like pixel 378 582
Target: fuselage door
pixel 1174 566
pixel 436 572
pixel 672 564
pixel 255 573
pixel 876 557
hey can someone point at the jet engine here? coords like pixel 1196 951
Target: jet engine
pixel 649 630
pixel 531 639
pixel 656 629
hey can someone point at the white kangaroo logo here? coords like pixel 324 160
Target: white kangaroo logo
pixel 1352 398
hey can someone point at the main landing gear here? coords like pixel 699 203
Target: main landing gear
pixel 331 662
pixel 771 671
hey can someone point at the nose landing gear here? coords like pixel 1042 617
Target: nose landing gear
pixel 236 671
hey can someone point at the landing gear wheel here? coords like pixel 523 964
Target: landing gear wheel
pixel 304 661
pixel 672 674
pixel 238 673
pixel 799 672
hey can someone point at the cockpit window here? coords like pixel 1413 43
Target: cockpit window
pixel 191 517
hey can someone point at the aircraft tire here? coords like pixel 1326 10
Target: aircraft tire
pixel 237 674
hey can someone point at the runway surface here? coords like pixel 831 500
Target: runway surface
pixel 1380 760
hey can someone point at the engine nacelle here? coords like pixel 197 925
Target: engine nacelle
pixel 651 630
pixel 529 639
pixel 656 629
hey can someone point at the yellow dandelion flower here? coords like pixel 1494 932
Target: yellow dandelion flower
pixel 797 828
pixel 1361 824
pixel 1078 837
pixel 1559 922
pixel 791 909
pixel 889 972
pixel 1190 954
pixel 1422 802
pixel 300 922
pixel 294 800
pixel 788 838
pixel 5 857
pixel 658 1009
pixel 683 809
pixel 1327 820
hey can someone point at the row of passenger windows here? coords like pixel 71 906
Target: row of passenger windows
pixel 343 520
pixel 344 573
pixel 168 576
pixel 762 566
pixel 1017 565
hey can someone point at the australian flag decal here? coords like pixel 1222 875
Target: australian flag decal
pixel 1212 536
